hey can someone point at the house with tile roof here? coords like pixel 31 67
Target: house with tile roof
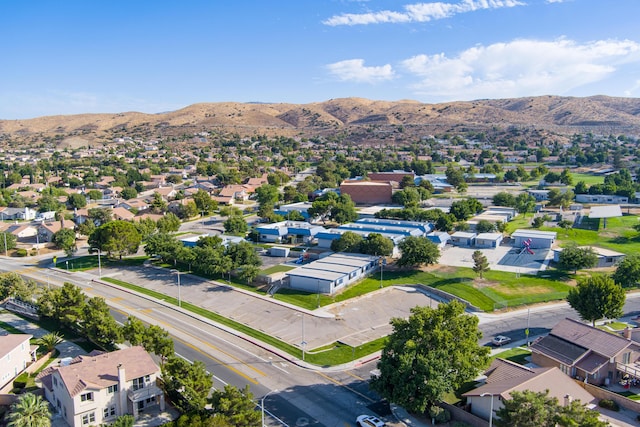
pixel 47 229
pixel 15 354
pixel 98 388
pixel 504 377
pixel 587 353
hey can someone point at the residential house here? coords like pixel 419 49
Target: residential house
pixel 15 355
pixel 137 204
pixel 504 377
pixel 232 193
pixel 120 213
pixel 98 388
pixel 22 231
pixel 26 214
pixel 46 230
pixel 167 193
pixel 587 353
pixel 257 182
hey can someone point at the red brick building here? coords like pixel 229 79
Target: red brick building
pixel 367 192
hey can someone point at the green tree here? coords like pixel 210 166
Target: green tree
pixel 116 238
pixel 236 225
pixel 347 242
pixel 377 244
pixel 204 202
pixel 525 203
pixel 134 331
pixel 158 342
pixel 12 284
pixel 597 297
pixel 65 239
pixel 129 193
pixel 417 251
pixel 65 304
pixel 158 204
pixel 559 198
pixel 480 263
pixel 431 353
pixel 248 273
pixel 537 409
pixel 166 246
pixel 243 254
pixel 236 406
pixel 77 200
pixel 123 421
pixel 146 227
pixel 50 341
pixel 455 177
pixel 267 194
pixel 168 223
pixel 10 239
pixel 504 199
pixel 99 216
pixel 98 323
pixel 576 258
pixel 627 273
pixel 485 226
pixel 94 194
pixel 29 411
pixel 187 385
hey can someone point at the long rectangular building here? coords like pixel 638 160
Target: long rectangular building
pixel 332 273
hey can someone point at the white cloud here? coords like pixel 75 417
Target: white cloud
pixel 354 70
pixel 419 12
pixel 519 68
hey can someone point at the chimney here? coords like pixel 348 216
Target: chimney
pixel 122 390
pixel 568 399
pixel 627 333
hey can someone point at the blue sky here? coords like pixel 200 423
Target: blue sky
pixel 94 56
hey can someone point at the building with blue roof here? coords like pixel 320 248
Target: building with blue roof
pixel 284 230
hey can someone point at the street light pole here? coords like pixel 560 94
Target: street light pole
pixel 4 233
pixel 491 408
pixel 179 298
pixel 381 268
pixel 99 266
pixel 262 404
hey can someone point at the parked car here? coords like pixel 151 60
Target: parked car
pixel 369 421
pixel 500 340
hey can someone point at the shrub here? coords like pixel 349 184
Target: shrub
pixel 440 415
pixel 21 252
pixel 21 381
pixel 609 404
pixel 34 252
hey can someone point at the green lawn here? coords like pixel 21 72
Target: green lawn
pixel 90 262
pixel 588 178
pixel 277 269
pixel 518 355
pixel 618 236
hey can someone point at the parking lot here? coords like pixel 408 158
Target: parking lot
pixel 502 258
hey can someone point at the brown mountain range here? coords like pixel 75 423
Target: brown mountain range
pixel 356 118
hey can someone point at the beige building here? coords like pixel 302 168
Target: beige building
pixel 15 355
pixel 98 388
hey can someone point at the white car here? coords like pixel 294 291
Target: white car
pixel 369 421
pixel 500 340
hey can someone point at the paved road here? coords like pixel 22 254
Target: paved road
pixel 306 397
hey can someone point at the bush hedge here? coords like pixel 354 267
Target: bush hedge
pixel 609 404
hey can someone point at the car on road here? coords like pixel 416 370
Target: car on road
pixel 500 340
pixel 369 421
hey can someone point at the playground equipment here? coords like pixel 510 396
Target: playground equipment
pixel 526 247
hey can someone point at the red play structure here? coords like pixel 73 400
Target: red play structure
pixel 526 246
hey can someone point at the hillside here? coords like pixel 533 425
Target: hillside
pixel 360 120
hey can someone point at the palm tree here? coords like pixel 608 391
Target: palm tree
pixel 30 411
pixel 50 341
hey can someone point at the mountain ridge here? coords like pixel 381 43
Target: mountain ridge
pixel 353 117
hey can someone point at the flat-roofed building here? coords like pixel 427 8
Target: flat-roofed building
pixel 536 239
pixel 367 192
pixel 488 240
pixel 463 238
pixel 332 273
